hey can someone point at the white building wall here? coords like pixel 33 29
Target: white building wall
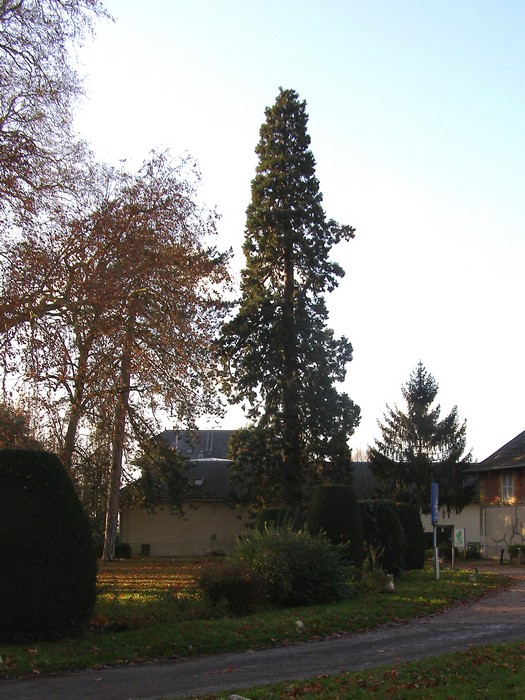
pixel 207 527
pixel 469 519
pixel 502 525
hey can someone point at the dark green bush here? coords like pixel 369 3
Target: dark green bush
pixel 414 536
pixel 241 589
pixel 298 568
pixel 122 550
pixel 473 551
pixel 48 565
pixel 383 535
pixel 335 510
pixel 277 518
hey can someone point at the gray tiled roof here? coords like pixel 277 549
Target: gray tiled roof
pixel 199 444
pixel 208 466
pixel 207 451
pixel 209 479
pixel 510 456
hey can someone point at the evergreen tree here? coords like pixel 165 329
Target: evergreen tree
pixel 414 536
pixel 281 359
pixel 418 447
pixel 383 535
pixel 48 578
pixel 335 511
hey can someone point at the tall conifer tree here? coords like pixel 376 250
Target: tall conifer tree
pixel 419 447
pixel 281 359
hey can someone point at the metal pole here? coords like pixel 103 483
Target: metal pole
pixel 434 507
pixel 436 555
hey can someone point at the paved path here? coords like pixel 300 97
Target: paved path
pixel 497 618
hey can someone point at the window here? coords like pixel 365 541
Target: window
pixel 507 490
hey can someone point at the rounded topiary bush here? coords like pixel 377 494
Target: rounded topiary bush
pixel 414 536
pixel 383 535
pixel 335 510
pixel 298 568
pixel 48 566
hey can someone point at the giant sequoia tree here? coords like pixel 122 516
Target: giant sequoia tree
pixel 281 359
pixel 419 447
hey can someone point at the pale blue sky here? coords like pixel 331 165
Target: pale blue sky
pixel 417 111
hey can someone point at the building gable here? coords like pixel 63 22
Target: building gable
pixel 510 456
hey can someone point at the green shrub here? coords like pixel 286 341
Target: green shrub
pixel 298 568
pixel 383 535
pixel 240 589
pixel 515 550
pixel 48 565
pixel 335 511
pixel 414 536
pixel 373 580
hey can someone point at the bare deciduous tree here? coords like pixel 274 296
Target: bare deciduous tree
pixel 113 311
pixel 38 87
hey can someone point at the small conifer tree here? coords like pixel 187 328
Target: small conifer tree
pixel 418 447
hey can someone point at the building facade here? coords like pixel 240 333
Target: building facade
pixel 492 522
pixel 210 523
pixel 502 497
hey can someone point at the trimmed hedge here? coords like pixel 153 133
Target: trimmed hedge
pixel 383 534
pixel 335 510
pixel 414 536
pixel 48 571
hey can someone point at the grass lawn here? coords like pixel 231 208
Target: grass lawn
pixel 150 609
pixel 489 672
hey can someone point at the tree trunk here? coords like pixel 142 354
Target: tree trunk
pixel 75 412
pixel 119 433
pixel 291 423
pixel 68 449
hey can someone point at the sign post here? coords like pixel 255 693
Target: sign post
pixel 434 506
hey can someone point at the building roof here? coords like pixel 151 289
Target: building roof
pixel 199 444
pixel 209 479
pixel 510 456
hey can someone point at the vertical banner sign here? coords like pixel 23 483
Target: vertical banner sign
pixel 434 506
pixel 434 502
